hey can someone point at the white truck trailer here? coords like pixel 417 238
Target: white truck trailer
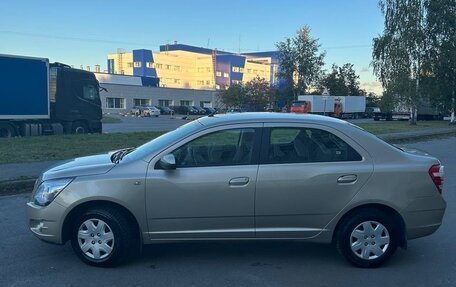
pixel 342 107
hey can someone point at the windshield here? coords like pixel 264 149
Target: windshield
pixel 162 141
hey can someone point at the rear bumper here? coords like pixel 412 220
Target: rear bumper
pixel 423 216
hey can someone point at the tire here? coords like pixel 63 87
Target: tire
pixel 105 245
pixel 79 128
pixel 379 245
pixel 7 131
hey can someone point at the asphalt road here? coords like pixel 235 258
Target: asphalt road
pixel 429 261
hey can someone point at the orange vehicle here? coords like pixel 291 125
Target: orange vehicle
pixel 301 107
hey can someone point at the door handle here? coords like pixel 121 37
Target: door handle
pixel 350 178
pixel 239 181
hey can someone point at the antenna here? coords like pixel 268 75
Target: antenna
pixel 208 42
pixel 239 50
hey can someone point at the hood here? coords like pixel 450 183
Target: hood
pixel 88 165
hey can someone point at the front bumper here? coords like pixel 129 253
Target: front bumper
pixel 46 222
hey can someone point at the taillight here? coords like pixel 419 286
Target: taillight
pixel 437 174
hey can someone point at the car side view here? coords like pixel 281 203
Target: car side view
pixel 257 176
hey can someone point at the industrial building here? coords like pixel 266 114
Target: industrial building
pixel 122 92
pixel 189 67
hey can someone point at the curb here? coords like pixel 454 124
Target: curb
pixel 414 136
pixel 18 186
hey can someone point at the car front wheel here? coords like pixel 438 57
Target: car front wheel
pixel 368 238
pixel 102 237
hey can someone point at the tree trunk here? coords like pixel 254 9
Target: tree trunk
pixel 452 120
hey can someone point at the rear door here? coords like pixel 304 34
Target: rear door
pixel 307 174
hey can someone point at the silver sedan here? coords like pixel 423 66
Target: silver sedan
pixel 243 176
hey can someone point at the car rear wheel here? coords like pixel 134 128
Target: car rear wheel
pixel 102 237
pixel 368 238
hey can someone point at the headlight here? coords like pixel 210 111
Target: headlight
pixel 49 189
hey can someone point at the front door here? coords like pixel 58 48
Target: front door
pixel 211 192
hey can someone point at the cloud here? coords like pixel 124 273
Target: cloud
pixel 365 69
pixel 375 87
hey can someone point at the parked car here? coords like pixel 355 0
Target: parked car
pixel 136 110
pixel 199 110
pixel 145 111
pixel 243 176
pixel 209 110
pixel 164 110
pixel 185 110
pixel 150 111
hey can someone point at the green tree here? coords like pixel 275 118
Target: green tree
pixel 342 81
pixel 259 94
pixel 254 95
pixel 233 96
pixel 300 62
pixel 398 53
pixel 441 28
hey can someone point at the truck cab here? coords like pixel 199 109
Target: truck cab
pixel 74 99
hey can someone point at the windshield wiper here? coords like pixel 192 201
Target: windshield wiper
pixel 117 156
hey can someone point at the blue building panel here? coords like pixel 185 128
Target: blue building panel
pixel 143 56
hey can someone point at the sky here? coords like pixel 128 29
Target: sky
pixel 83 32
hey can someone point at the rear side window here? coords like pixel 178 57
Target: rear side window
pixel 227 147
pixel 303 145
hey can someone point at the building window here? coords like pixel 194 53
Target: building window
pixel 177 81
pixel 205 104
pixel 168 67
pixel 208 82
pixel 186 103
pixel 115 103
pixel 249 71
pixel 235 69
pixel 241 70
pixel 200 82
pixel 150 65
pixel 208 70
pixel 159 66
pixel 235 82
pixel 200 69
pixel 165 103
pixel 217 87
pixel 130 65
pixel 176 68
pixel 137 64
pixel 141 102
pixel 226 75
pixel 218 74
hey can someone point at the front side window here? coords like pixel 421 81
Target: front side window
pixel 227 147
pixel 304 145
pixel 90 93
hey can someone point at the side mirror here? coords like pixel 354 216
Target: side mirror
pixel 167 162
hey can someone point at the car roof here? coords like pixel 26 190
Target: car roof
pixel 220 119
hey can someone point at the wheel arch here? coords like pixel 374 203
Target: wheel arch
pixel 401 228
pixel 80 208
